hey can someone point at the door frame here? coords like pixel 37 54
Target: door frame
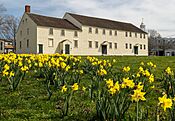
pixel 104 52
pixel 39 45
pixel 67 45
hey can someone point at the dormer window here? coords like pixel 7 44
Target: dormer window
pixel 51 31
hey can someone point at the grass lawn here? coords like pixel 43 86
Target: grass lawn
pixel 29 101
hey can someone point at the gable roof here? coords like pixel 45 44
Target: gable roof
pixel 41 20
pixel 106 23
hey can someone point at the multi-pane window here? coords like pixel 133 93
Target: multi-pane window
pixel 110 45
pixel 27 31
pixel 1 46
pixel 140 46
pixel 126 45
pixel 144 47
pixel 75 34
pixel 20 44
pixel 130 46
pixel 90 30
pixel 115 45
pixel 27 43
pixel 76 43
pixel 115 33
pixel 90 44
pixel 50 42
pixel 104 32
pixel 96 44
pixel 51 31
pixel 126 34
pixel 136 35
pixel 140 35
pixel 96 31
pixel 62 32
pixel 130 34
pixel 110 32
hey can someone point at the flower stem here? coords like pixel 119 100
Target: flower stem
pixel 137 110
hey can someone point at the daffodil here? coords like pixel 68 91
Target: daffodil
pixel 169 71
pixel 109 83
pixel 75 87
pixel 64 88
pixel 102 72
pixel 138 95
pixel 126 69
pixel 127 83
pixel 165 102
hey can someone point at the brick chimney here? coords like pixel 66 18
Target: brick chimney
pixel 27 8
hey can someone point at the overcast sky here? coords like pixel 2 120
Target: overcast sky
pixel 157 14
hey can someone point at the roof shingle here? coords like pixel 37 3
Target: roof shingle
pixel 52 22
pixel 105 23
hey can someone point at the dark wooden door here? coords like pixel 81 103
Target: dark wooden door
pixel 136 50
pixel 67 49
pixel 40 48
pixel 104 49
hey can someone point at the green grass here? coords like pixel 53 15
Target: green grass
pixel 29 101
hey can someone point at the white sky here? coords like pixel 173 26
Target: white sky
pixel 157 14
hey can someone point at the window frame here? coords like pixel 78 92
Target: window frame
pixel 90 30
pixel 96 44
pixel 110 32
pixel 27 43
pixel 90 44
pixel 115 45
pixel 62 32
pixel 115 33
pixel 75 43
pixel 110 45
pixel 130 46
pixel 50 39
pixel 1 46
pixel 126 45
pixel 20 44
pixel 104 31
pixel 126 34
pixel 140 46
pixel 96 30
pixel 50 31
pixel 75 33
pixel 130 34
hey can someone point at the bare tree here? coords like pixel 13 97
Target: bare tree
pixel 153 40
pixel 8 26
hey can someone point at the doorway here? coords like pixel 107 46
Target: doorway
pixel 40 48
pixel 104 49
pixel 67 49
pixel 136 50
